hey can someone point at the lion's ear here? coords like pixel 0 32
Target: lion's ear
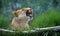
pixel 23 9
pixel 15 13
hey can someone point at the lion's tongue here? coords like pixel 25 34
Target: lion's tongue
pixel 30 16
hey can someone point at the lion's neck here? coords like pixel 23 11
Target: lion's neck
pixel 22 20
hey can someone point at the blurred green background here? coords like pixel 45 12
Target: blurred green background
pixel 46 13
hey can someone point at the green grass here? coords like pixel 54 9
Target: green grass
pixel 52 18
pixel 4 22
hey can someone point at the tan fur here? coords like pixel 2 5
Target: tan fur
pixel 20 21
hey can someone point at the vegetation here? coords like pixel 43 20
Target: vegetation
pixel 44 33
pixel 4 22
pixel 52 18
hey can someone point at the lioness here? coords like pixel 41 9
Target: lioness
pixel 21 19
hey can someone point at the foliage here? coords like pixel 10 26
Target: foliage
pixel 44 33
pixel 4 22
pixel 52 18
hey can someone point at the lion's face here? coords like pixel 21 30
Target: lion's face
pixel 25 12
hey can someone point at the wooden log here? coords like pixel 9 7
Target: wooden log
pixel 55 28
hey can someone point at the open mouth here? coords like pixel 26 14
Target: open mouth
pixel 29 13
